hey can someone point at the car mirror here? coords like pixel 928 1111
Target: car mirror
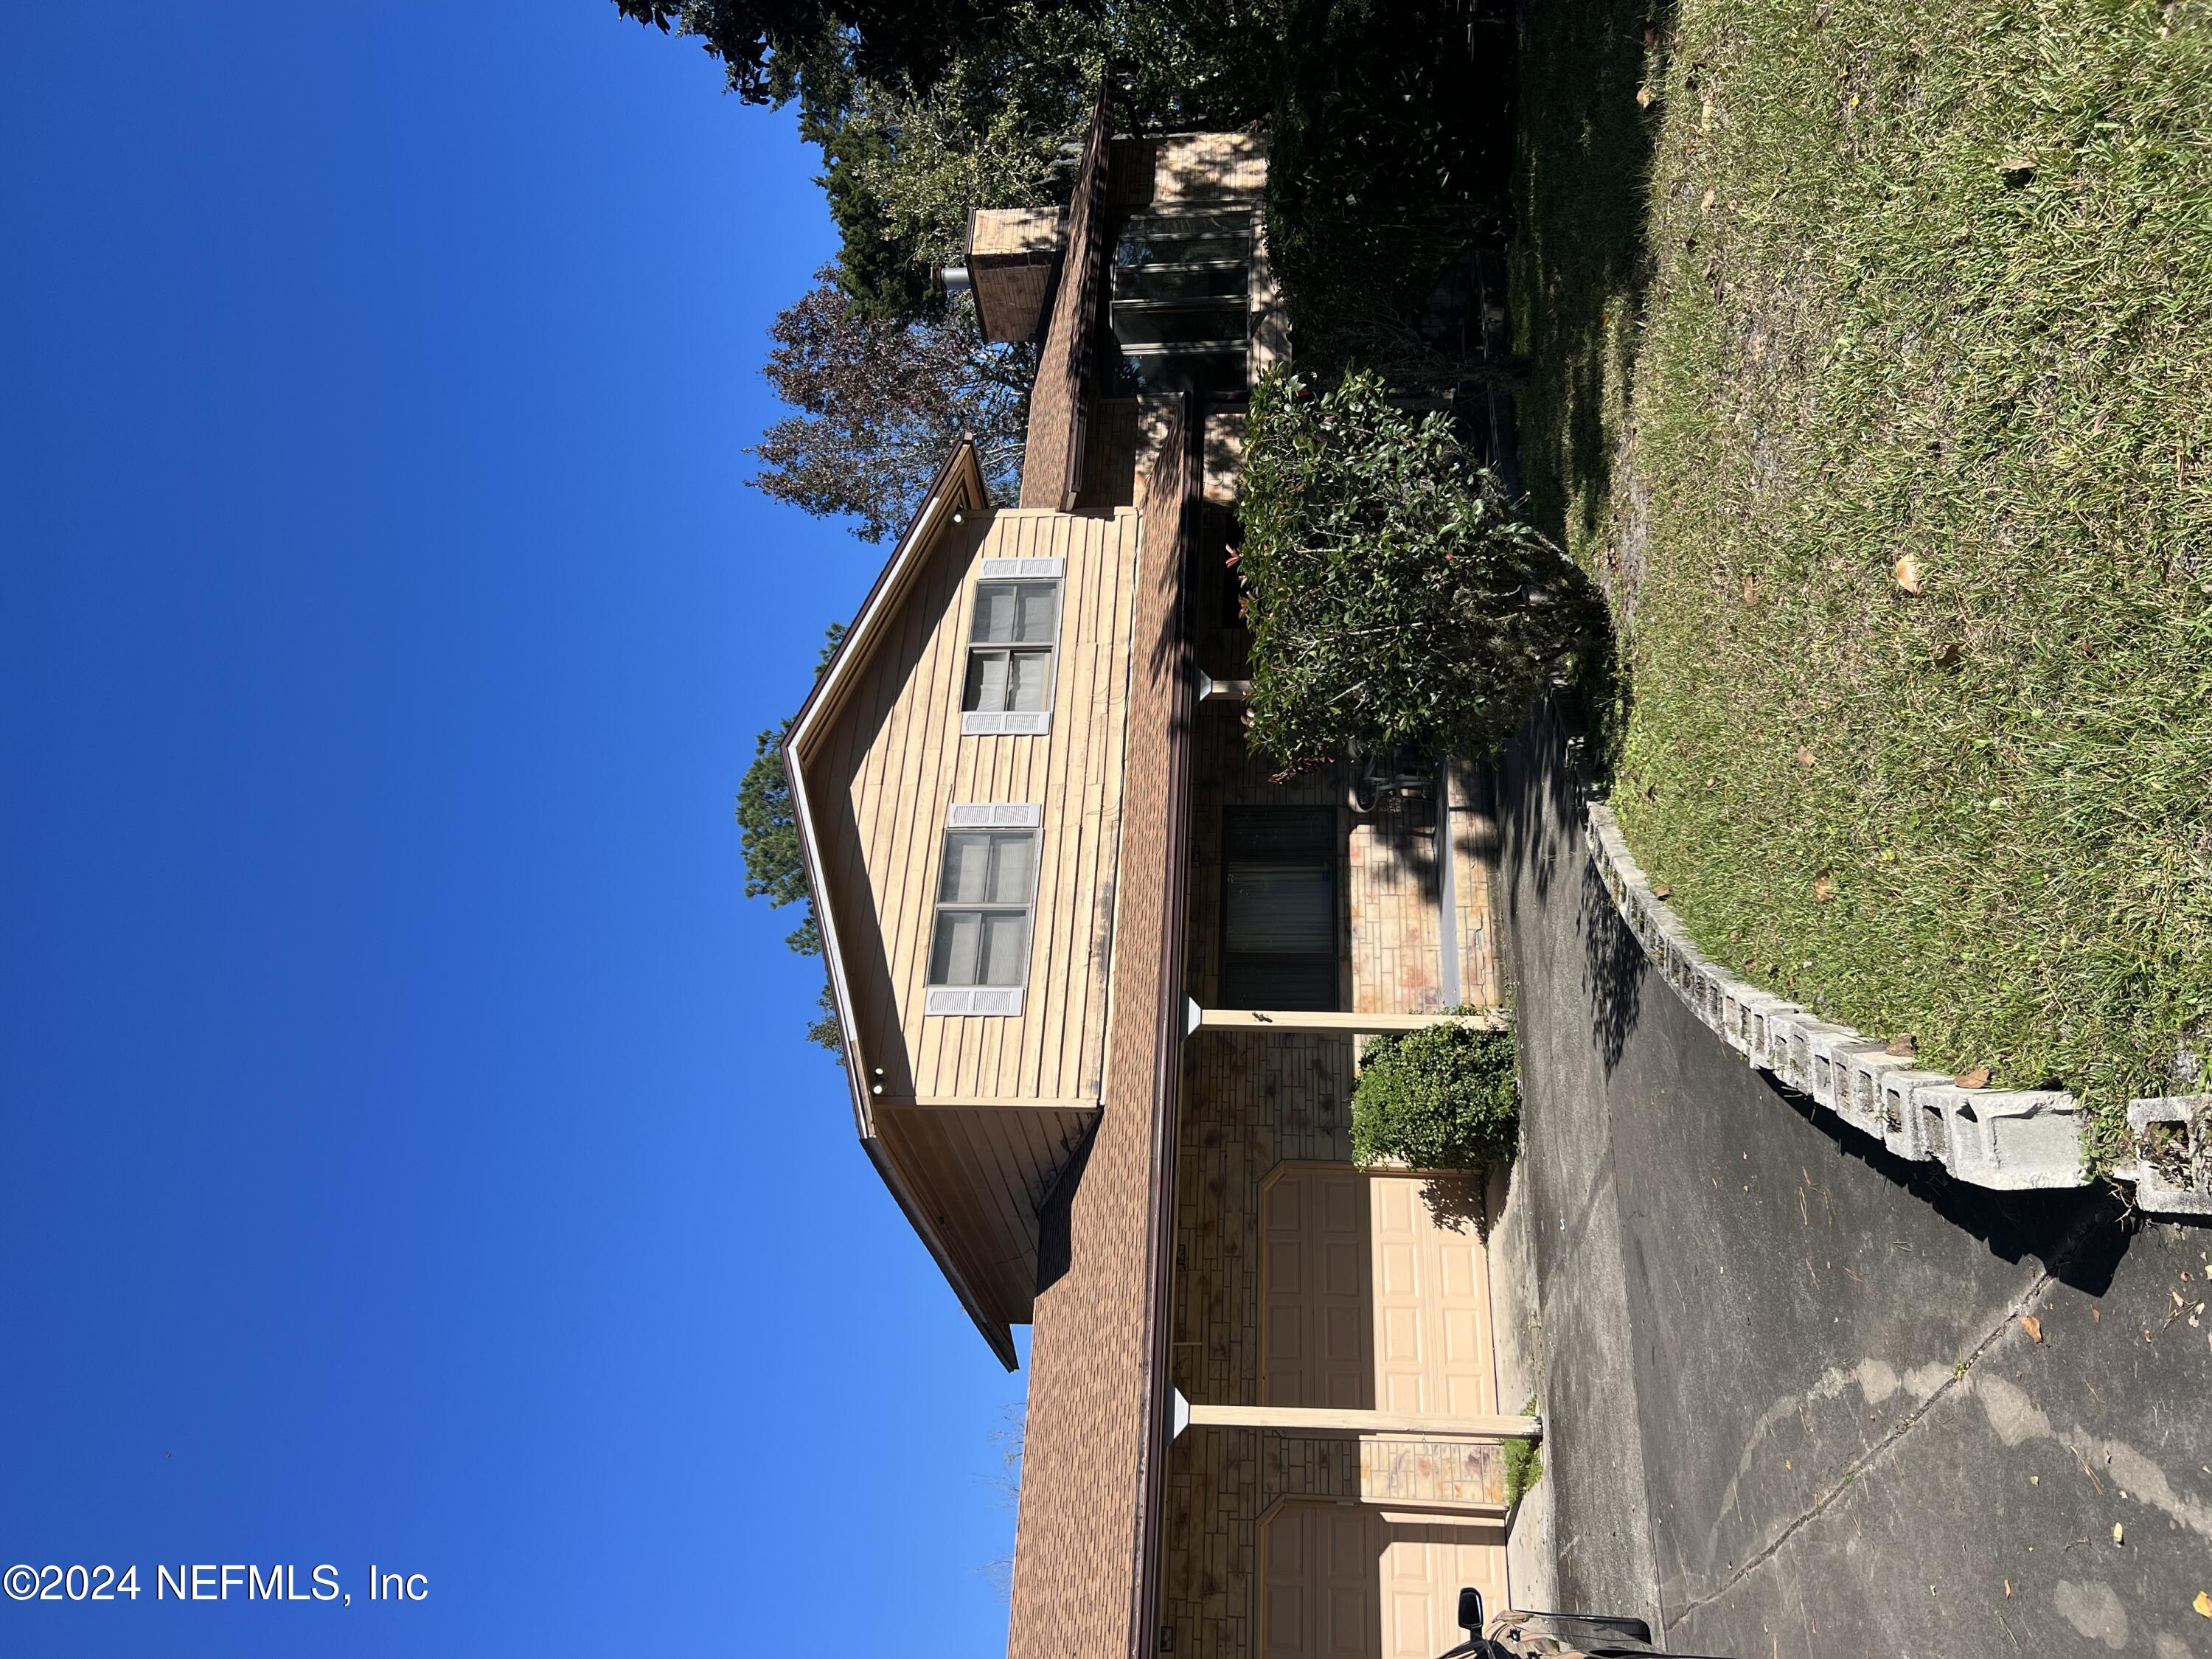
pixel 1470 1610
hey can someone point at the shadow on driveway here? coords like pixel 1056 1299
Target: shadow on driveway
pixel 1793 1405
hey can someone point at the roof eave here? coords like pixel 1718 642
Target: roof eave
pixel 959 481
pixel 962 469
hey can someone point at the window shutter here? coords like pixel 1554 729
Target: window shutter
pixel 996 815
pixel 989 723
pixel 1001 999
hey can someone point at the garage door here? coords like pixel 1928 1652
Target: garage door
pixel 1432 1350
pixel 1349 1580
pixel 1372 1298
pixel 1317 1302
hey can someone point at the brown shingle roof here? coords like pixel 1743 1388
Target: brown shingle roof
pixel 1052 460
pixel 1084 1544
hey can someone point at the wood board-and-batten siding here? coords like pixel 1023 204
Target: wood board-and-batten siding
pixel 981 1110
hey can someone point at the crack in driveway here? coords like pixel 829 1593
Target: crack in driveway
pixel 1959 1372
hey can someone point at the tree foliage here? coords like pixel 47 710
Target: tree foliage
pixel 1392 599
pixel 880 404
pixel 924 112
pixel 768 838
pixel 775 865
pixel 1000 123
pixel 768 48
pixel 1441 1097
pixel 1388 165
pixel 921 161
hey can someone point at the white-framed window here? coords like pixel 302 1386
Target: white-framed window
pixel 1012 648
pixel 979 944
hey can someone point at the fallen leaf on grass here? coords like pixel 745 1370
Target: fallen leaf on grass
pixel 1949 655
pixel 1662 891
pixel 1643 98
pixel 1751 590
pixel 1824 889
pixel 2033 1325
pixel 1804 757
pixel 1708 203
pixel 1977 1078
pixel 1907 572
pixel 1902 1048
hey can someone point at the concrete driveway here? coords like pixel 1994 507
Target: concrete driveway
pixel 1793 1408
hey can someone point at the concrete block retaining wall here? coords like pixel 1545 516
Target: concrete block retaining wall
pixel 2008 1140
pixel 2173 1154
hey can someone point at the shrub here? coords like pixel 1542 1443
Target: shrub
pixel 1524 1462
pixel 1442 1097
pixel 1393 600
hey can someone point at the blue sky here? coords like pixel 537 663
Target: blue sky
pixel 412 1153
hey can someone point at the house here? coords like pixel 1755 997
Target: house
pixel 1101 979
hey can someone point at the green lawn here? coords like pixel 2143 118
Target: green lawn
pixel 1855 283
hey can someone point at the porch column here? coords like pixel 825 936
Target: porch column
pixel 1325 1421
pixel 1330 1025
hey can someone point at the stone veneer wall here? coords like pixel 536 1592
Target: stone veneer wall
pixel 1475 845
pixel 1248 1103
pixel 1397 959
pixel 1252 1103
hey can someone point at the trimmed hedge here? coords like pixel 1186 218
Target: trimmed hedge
pixel 1444 1098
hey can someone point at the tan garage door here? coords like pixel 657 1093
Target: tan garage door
pixel 1369 1298
pixel 1344 1580
pixel 1320 1595
pixel 1432 1350
pixel 1317 1305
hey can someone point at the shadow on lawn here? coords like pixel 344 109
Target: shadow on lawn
pixel 1582 257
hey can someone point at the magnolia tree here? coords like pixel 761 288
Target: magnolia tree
pixel 881 403
pixel 1392 597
